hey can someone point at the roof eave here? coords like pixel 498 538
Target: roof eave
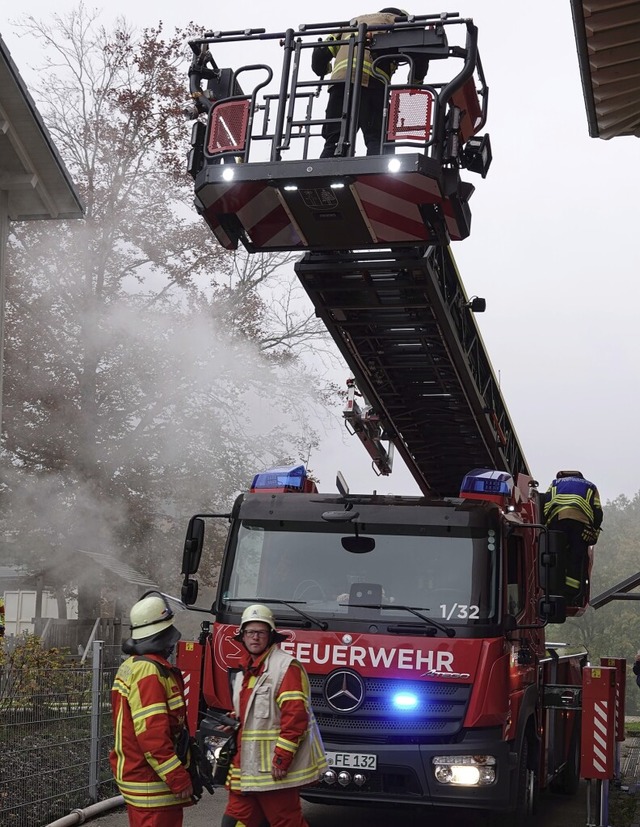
pixel 31 169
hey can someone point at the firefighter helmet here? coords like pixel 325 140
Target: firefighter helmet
pixel 562 474
pixel 259 614
pixel 150 615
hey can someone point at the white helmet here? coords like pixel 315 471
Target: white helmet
pixel 150 615
pixel 258 613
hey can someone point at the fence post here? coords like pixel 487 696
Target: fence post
pixel 96 717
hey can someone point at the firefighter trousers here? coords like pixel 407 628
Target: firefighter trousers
pixel 280 808
pixel 578 557
pixel 154 817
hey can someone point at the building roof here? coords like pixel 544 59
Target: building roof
pixel 608 40
pixel 10 575
pixel 14 576
pixel 117 567
pixel 31 170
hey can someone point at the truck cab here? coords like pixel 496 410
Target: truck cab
pixel 420 623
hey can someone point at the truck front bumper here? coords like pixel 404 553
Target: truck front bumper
pixel 406 774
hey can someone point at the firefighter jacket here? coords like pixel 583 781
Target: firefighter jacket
pixel 573 498
pixel 148 710
pixel 338 49
pixel 271 697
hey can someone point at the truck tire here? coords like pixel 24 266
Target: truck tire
pixel 568 781
pixel 526 794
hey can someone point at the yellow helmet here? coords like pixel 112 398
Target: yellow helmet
pixel 259 614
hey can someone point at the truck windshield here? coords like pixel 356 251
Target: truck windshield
pixel 451 578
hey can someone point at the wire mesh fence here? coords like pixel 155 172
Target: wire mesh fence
pixel 55 732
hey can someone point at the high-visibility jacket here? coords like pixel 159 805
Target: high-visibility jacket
pixel 271 698
pixel 339 49
pixel 148 710
pixel 573 498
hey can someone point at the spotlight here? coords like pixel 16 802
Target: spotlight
pixel 476 304
pixel 476 155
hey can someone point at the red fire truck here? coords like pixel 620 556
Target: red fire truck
pixel 420 620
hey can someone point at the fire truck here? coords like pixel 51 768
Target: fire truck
pixel 419 619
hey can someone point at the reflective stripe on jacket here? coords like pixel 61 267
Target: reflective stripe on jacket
pixel 148 710
pixel 281 682
pixel 577 494
pixel 341 52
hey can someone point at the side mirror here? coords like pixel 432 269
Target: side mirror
pixel 189 591
pixel 552 559
pixel 553 609
pixel 193 546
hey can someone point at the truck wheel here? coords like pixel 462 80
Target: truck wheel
pixel 568 781
pixel 526 795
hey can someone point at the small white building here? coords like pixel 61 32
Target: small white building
pixel 21 602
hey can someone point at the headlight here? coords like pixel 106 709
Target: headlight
pixel 465 770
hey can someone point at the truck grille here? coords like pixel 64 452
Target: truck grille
pixel 438 715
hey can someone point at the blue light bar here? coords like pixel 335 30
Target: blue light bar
pixel 405 700
pixel 293 476
pixel 482 481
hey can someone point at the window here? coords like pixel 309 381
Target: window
pixel 449 575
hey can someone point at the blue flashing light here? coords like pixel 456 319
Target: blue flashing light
pixel 405 700
pixel 293 476
pixel 485 481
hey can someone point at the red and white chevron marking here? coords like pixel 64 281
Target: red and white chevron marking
pixel 187 688
pixel 390 204
pixel 258 209
pixel 601 735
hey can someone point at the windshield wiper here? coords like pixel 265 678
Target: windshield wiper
pixel 321 624
pixel 448 630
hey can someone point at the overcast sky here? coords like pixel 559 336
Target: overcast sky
pixel 553 247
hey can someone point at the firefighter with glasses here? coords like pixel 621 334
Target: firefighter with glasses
pixel 279 745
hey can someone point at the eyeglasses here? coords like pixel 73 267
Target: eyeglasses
pixel 251 633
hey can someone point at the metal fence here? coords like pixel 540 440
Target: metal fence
pixel 55 735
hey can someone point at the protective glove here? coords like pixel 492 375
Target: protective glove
pixel 321 60
pixel 590 535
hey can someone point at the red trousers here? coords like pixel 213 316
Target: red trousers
pixel 281 808
pixel 163 817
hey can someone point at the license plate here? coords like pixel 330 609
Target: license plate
pixel 352 760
